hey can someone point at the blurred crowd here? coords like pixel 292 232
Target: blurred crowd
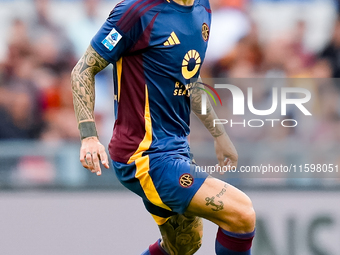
pixel 236 51
pixel 35 91
pixel 283 55
pixel 283 59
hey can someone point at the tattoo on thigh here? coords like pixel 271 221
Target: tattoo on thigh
pixel 182 235
pixel 210 201
pixel 224 189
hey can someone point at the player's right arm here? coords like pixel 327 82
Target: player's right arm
pixel 116 36
pixel 83 90
pixel 225 149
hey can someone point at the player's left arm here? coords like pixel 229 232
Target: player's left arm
pixel 225 150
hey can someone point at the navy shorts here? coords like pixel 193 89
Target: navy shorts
pixel 165 182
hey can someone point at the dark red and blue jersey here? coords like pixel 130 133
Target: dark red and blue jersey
pixel 156 48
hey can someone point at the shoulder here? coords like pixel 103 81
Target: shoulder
pixel 205 4
pixel 129 12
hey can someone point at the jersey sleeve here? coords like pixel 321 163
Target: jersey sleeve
pixel 118 34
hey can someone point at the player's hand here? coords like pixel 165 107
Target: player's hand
pixel 92 152
pixel 225 151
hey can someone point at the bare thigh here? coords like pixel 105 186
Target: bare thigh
pixel 225 205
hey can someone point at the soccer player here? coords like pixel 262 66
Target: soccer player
pixel 156 48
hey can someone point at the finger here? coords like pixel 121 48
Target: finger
pixel 88 158
pixel 227 162
pixel 232 163
pixel 96 165
pixel 221 162
pixel 104 159
pixel 84 163
pixel 221 172
pixel 90 167
pixel 220 159
pixel 220 169
pixel 82 158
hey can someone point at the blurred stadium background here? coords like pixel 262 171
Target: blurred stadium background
pixel 50 205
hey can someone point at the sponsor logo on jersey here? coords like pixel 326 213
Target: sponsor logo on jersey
pixel 182 90
pixel 111 40
pixel 172 40
pixel 191 64
pixel 205 32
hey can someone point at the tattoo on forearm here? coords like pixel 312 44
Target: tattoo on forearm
pixel 208 119
pixel 182 235
pixel 83 84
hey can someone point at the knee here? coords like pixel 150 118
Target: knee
pixel 245 218
pixel 242 219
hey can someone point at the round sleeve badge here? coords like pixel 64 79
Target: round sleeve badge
pixel 205 32
pixel 186 180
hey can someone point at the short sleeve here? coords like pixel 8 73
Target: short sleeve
pixel 118 34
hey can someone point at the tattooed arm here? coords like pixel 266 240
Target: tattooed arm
pixel 207 119
pixel 83 90
pixel 225 150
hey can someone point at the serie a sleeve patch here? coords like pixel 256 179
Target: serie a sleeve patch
pixel 111 40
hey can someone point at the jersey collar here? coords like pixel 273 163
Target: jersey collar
pixel 181 8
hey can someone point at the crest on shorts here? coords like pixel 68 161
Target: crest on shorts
pixel 205 32
pixel 186 180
